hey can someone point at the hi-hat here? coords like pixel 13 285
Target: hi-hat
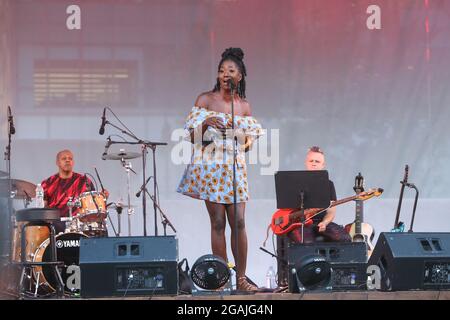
pixel 122 156
pixel 22 189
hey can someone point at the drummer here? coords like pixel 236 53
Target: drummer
pixel 64 184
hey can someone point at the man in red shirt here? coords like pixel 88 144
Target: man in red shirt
pixel 65 184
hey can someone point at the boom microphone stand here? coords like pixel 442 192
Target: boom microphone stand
pixel 145 145
pixel 6 257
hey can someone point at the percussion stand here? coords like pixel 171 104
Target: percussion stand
pixel 112 225
pixel 128 168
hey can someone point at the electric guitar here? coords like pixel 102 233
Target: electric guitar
pixel 286 220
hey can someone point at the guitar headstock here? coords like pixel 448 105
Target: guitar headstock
pixel 374 192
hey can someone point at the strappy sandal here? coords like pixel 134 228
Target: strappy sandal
pixel 244 285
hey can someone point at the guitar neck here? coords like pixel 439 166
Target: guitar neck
pixel 338 202
pixel 359 218
pixel 309 213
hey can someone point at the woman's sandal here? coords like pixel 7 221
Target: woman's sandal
pixel 244 285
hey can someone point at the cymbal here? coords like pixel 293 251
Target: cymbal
pixel 122 155
pixel 23 189
pixel 3 174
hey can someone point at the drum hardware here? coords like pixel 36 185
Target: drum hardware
pixel 122 155
pixel 130 209
pixel 39 217
pixel 145 145
pixel 20 189
pixel 91 216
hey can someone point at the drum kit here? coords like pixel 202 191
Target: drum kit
pixel 88 213
pixel 87 217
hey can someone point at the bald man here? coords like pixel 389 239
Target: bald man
pixel 65 184
pixel 323 224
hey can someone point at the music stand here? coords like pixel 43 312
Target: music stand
pixel 302 190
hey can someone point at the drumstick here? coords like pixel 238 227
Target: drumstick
pixel 99 180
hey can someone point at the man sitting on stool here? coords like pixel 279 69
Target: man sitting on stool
pixel 323 224
pixel 66 183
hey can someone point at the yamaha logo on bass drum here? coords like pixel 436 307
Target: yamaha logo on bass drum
pixel 68 243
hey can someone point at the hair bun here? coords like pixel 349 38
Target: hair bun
pixel 235 52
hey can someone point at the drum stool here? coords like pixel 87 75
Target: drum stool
pixel 39 217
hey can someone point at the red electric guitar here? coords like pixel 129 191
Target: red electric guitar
pixel 286 220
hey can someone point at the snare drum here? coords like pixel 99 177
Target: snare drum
pixel 68 251
pixel 93 207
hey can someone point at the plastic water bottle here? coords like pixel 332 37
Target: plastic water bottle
pixel 39 196
pixel 271 282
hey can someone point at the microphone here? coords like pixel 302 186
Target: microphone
pixel 102 127
pixel 12 130
pixel 231 84
pixel 107 145
pixel 119 207
pixel 138 194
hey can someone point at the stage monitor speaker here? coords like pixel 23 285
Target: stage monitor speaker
pixel 348 263
pixel 413 261
pixel 124 266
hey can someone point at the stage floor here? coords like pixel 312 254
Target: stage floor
pixel 313 295
pixel 348 295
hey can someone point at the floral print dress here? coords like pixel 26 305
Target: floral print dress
pixel 209 176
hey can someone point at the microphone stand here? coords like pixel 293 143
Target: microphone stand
pixel 165 221
pixel 145 144
pixel 7 255
pixel 236 233
pixel 10 216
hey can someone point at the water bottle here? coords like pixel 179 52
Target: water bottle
pixel 270 278
pixel 39 196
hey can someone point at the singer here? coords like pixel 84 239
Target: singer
pixel 209 176
pixel 64 184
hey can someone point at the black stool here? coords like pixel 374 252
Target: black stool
pixel 40 217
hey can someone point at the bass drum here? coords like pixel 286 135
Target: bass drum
pixel 68 251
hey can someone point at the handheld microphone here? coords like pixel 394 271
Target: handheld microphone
pixel 102 127
pixel 12 130
pixel 107 145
